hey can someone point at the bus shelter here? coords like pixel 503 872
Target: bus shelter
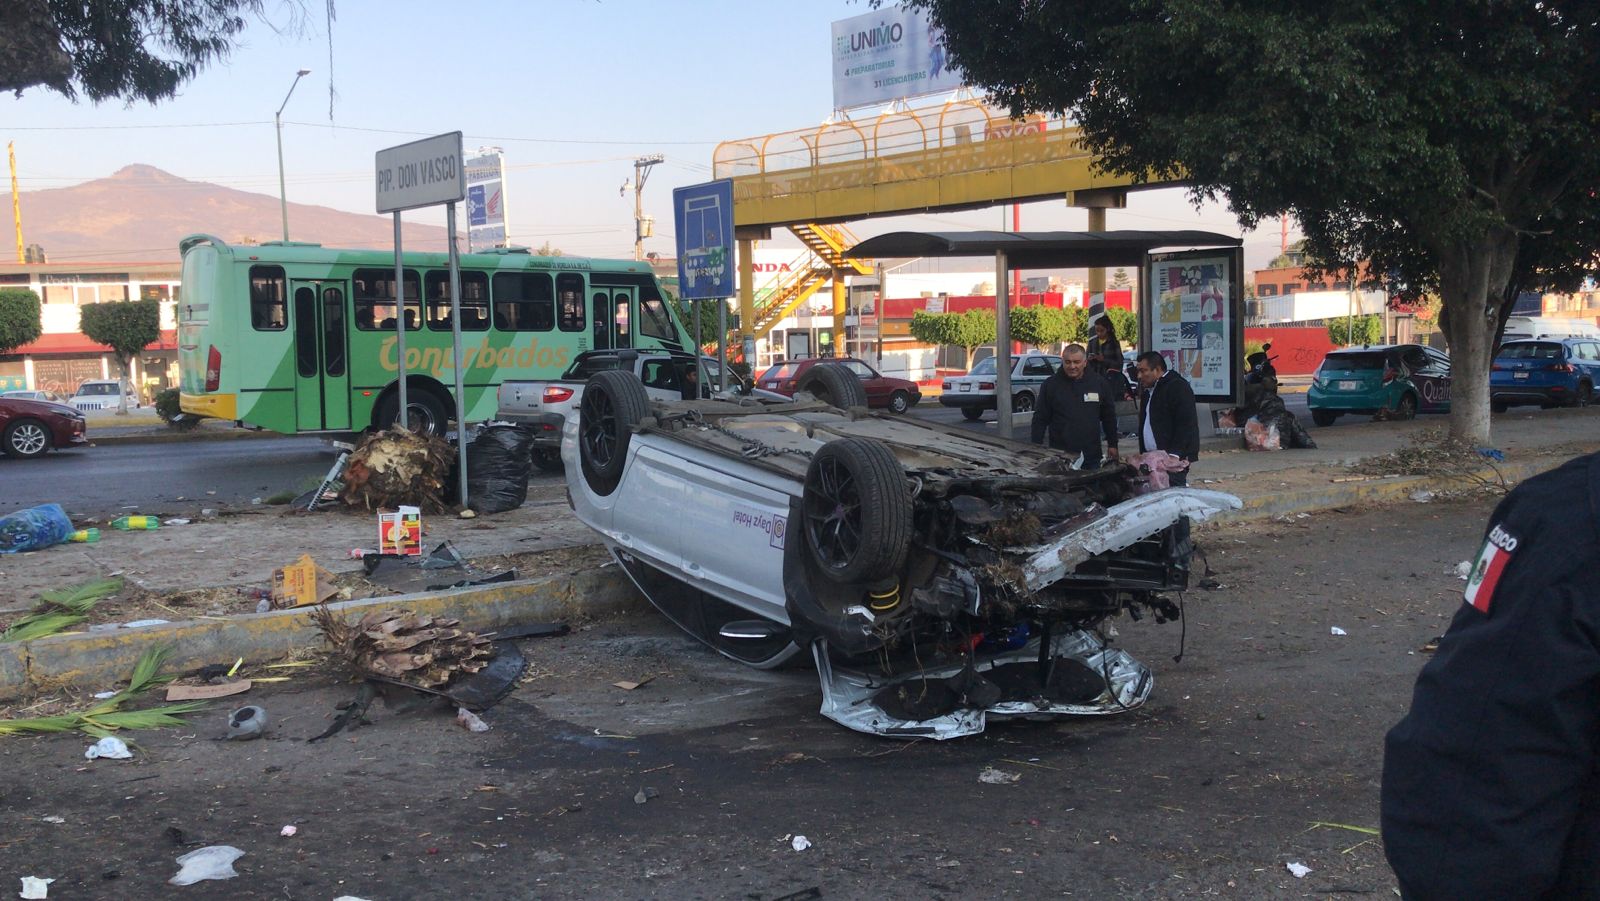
pixel 1191 298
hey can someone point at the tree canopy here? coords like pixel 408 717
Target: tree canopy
pixel 1040 326
pixel 1348 331
pixel 1448 145
pixel 968 330
pixel 115 49
pixel 126 326
pixel 19 318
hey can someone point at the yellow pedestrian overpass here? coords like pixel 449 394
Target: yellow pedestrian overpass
pixel 962 154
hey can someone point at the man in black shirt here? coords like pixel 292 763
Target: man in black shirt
pixel 1167 417
pixel 1075 406
pixel 1491 784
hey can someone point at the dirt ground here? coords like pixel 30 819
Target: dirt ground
pixel 1269 725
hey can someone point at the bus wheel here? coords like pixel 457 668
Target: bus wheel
pixel 426 412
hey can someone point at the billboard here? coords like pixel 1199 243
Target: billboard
pixel 1193 316
pixel 486 200
pixel 886 55
pixel 703 220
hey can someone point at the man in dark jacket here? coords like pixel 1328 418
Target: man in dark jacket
pixel 1075 406
pixel 1491 784
pixel 1167 418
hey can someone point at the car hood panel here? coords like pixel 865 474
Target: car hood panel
pixel 1124 524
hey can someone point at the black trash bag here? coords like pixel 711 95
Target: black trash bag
pixel 498 461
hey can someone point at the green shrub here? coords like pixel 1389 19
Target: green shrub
pixel 167 407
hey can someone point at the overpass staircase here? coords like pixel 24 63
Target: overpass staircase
pixel 825 249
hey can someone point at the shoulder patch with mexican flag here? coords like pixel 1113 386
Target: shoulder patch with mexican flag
pixel 1492 562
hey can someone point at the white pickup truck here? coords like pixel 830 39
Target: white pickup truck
pixel 543 404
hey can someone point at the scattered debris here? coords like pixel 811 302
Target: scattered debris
pixel 247 723
pixel 288 831
pixel 445 556
pixel 301 584
pixel 34 887
pixel 400 532
pixel 105 717
pixel 992 776
pixel 800 843
pixel 1299 870
pixel 1422 496
pixel 1431 645
pixel 212 862
pixel 110 748
pixel 410 649
pixel 471 721
pixel 626 685
pixel 55 820
pixel 135 624
pixel 177 522
pixel 532 630
pixel 1464 570
pixel 1432 452
pixel 207 692
pixel 396 467
pixel 60 609
pixel 1337 631
pixel 34 529
pixel 645 794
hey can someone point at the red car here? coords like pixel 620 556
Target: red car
pixel 898 395
pixel 28 428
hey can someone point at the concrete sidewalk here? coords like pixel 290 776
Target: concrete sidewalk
pixel 145 427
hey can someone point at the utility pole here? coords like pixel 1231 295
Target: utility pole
pixel 643 227
pixel 16 200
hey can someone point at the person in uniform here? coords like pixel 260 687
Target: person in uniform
pixel 1167 417
pixel 1491 784
pixel 1075 407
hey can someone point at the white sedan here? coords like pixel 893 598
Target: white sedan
pixel 935 576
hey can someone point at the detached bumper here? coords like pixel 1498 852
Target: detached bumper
pixel 1123 525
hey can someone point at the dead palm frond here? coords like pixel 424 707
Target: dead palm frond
pixel 106 716
pixel 60 610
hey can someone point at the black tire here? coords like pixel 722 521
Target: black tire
pixel 1022 403
pixel 1498 406
pixel 972 414
pixel 1407 407
pixel 548 459
pixel 834 385
pixel 899 402
pixel 26 438
pixel 429 414
pixel 613 404
pixel 857 511
pixel 1324 418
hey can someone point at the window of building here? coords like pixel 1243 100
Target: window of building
pixel 58 294
pixel 374 296
pixel 474 301
pixel 524 302
pixel 569 301
pixel 109 293
pixel 155 292
pixel 268 299
pixel 1266 290
pixel 1290 288
pixel 87 294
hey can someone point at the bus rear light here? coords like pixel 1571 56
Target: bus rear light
pixel 555 394
pixel 213 368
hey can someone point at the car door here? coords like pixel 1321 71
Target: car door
pixel 877 387
pixel 1587 360
pixel 1035 369
pixel 1431 376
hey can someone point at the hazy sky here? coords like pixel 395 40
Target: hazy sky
pixel 572 90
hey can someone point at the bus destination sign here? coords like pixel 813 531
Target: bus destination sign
pixel 422 173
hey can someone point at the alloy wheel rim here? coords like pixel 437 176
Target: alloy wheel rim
pixel 28 439
pixel 833 514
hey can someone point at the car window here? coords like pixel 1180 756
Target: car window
pixel 1588 350
pixel 782 371
pixel 984 367
pixel 101 389
pixel 660 374
pixel 1036 366
pixel 859 368
pixel 1415 358
pixel 587 366
pixel 1361 361
pixel 1532 350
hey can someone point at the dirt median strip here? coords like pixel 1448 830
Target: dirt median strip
pixel 100 660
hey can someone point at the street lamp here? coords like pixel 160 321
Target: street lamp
pixel 277 120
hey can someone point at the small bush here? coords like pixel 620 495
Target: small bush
pixel 168 409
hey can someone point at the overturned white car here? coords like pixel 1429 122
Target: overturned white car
pixel 936 576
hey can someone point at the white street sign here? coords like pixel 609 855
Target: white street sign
pixel 421 173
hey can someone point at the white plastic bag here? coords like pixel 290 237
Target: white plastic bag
pixel 211 862
pixel 1259 436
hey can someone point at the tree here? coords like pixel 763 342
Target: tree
pixel 115 49
pixel 547 250
pixel 708 320
pixel 1120 281
pixel 1464 164
pixel 968 330
pixel 1039 326
pixel 1348 331
pixel 127 327
pixel 19 318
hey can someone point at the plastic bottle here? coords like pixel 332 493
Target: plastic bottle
pixel 87 536
pixel 127 523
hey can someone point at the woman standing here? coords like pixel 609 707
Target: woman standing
pixel 1105 351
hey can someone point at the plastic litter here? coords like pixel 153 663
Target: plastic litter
pixel 992 776
pixel 445 556
pixel 645 794
pixel 1260 437
pixel 34 887
pixel 1422 497
pixel 59 821
pixel 136 523
pixel 211 862
pixel 1337 631
pixel 264 606
pixel 1299 870
pixel 288 831
pixel 498 464
pixel 1492 453
pixel 1153 467
pixel 247 723
pixel 85 536
pixel 34 528
pixel 1464 570
pixel 111 748
pixel 471 721
pixel 800 843
pixel 177 522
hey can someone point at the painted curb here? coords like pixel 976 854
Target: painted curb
pixel 102 660
pixel 172 437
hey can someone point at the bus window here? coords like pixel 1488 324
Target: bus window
pixel 623 332
pixel 333 331
pixel 524 302
pixel 269 303
pixel 602 320
pixel 474 301
pixel 305 332
pixel 569 293
pixel 373 293
pixel 653 317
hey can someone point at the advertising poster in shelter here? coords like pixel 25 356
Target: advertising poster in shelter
pixel 1194 319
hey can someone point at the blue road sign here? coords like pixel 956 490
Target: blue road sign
pixel 703 215
pixel 477 206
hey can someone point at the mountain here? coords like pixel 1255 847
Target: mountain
pixel 140 213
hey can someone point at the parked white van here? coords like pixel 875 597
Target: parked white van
pixel 1549 327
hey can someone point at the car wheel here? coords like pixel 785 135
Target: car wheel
pixel 857 511
pixel 613 403
pixel 26 438
pixel 899 402
pixel 1407 408
pixel 548 459
pixel 833 385
pixel 1022 403
pixel 426 413
pixel 1324 418
pixel 1498 406
pixel 971 414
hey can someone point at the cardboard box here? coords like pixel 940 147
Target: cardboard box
pixel 400 532
pixel 301 583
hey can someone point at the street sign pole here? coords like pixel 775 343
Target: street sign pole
pixel 694 313
pixel 722 344
pixel 455 338
pixel 400 322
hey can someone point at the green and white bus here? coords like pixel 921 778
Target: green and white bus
pixel 297 337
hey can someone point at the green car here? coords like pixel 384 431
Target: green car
pixel 1393 380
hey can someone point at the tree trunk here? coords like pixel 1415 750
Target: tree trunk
pixel 122 386
pixel 1472 281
